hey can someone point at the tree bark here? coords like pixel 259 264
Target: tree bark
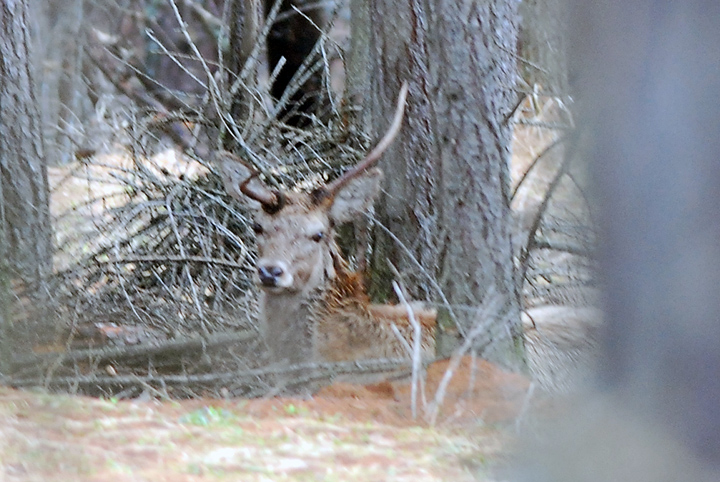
pixel 61 91
pixel 447 176
pixel 242 24
pixel 25 230
pixel 26 218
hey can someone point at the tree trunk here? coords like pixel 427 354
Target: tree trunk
pixel 242 23
pixel 26 218
pixel 61 90
pixel 646 81
pixel 292 38
pixel 446 187
pixel 25 231
pixel 648 102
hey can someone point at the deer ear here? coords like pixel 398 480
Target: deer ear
pixel 356 196
pixel 233 173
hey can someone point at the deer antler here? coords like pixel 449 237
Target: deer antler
pixel 373 156
pixel 269 199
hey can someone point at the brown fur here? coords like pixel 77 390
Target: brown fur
pixel 350 328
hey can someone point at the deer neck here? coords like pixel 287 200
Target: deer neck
pixel 289 318
pixel 287 327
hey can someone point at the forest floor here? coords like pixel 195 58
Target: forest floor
pixel 344 433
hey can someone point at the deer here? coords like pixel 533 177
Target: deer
pixel 313 308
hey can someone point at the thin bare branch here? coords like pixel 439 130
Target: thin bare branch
pixel 416 350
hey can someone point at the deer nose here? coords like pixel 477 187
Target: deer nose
pixel 270 275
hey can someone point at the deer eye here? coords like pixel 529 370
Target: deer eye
pixel 317 237
pixel 257 228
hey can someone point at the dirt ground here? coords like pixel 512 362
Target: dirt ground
pixel 344 433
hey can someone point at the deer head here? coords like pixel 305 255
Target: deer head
pixel 295 230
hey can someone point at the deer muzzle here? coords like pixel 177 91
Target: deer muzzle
pixel 274 275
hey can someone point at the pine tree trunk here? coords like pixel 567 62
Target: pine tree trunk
pixel 26 220
pixel 61 90
pixel 25 231
pixel 242 18
pixel 292 38
pixel 447 175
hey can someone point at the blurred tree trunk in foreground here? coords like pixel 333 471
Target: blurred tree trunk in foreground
pixel 648 78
